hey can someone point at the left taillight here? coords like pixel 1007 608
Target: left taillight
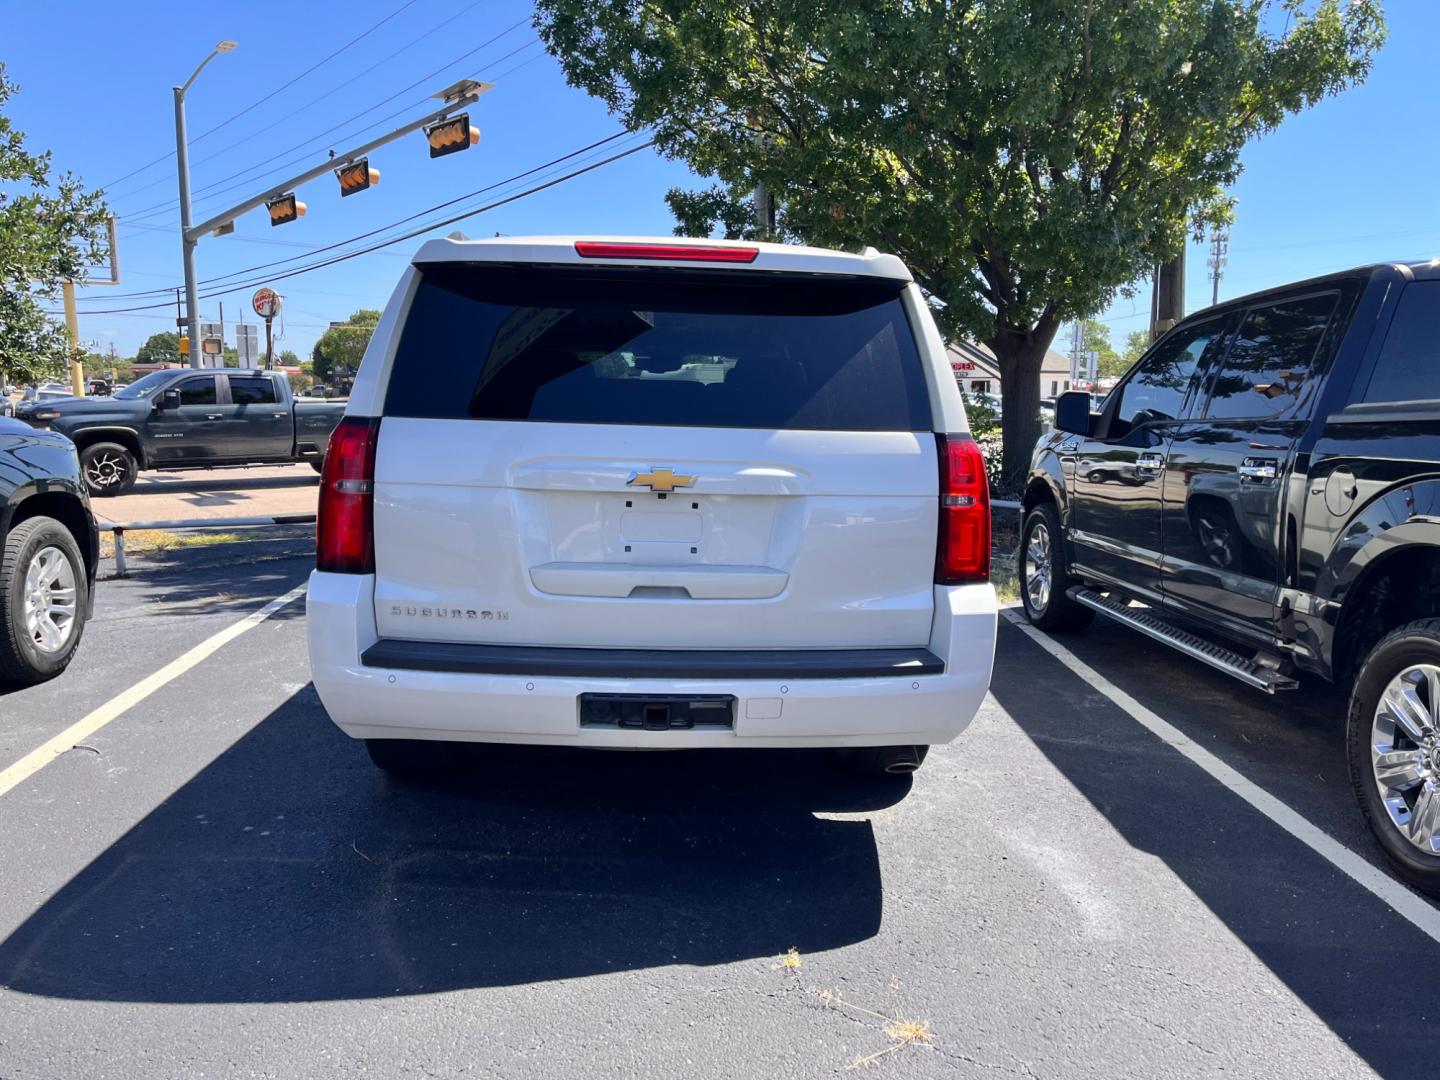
pixel 345 522
pixel 963 552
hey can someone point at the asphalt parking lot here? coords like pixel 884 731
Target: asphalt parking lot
pixel 217 883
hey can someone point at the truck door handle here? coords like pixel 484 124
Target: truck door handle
pixel 280 415
pixel 1259 469
pixel 1149 464
pixel 214 416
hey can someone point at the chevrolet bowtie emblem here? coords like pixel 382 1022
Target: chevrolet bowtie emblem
pixel 660 480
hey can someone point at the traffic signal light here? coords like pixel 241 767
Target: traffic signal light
pixel 356 177
pixel 284 209
pixel 452 135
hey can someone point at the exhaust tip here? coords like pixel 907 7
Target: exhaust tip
pixel 901 761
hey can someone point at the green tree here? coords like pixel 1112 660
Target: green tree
pixel 1136 342
pixel 711 211
pixel 51 230
pixel 343 346
pixel 289 359
pixel 1096 339
pixel 1028 160
pixel 161 348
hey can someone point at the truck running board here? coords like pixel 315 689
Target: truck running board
pixel 1217 656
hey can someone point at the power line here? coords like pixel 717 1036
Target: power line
pixel 316 100
pixel 429 209
pixel 313 67
pixel 267 97
pixel 311 250
pixel 240 179
pixel 236 286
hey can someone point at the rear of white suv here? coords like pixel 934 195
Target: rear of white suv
pixel 652 494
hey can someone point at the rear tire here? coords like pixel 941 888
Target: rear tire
pixel 1403 757
pixel 42 576
pixel 108 468
pixel 412 757
pixel 1044 574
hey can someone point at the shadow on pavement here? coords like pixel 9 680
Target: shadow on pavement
pixel 262 569
pixel 291 870
pixel 221 480
pixel 1343 952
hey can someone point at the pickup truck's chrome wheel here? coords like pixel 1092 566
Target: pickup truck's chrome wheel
pixel 1405 754
pixel 50 600
pixel 105 470
pixel 1039 567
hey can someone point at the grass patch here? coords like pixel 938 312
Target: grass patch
pixel 1004 577
pixel 154 541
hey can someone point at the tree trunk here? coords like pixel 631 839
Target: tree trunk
pixel 1019 355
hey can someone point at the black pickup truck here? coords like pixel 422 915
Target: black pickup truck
pixel 188 419
pixel 1262 492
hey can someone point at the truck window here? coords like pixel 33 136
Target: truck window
pixel 252 390
pixel 673 348
pixel 1157 388
pixel 1409 364
pixel 1268 370
pixel 198 391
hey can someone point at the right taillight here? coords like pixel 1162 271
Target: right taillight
pixel 345 522
pixel 963 553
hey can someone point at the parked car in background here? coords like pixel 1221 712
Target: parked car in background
pixel 1262 492
pixel 184 418
pixel 34 397
pixel 48 554
pixel 653 494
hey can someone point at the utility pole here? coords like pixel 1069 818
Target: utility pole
pixel 72 328
pixel 1219 257
pixel 1167 305
pixel 187 241
pixel 764 207
pixel 1077 343
pixel 72 317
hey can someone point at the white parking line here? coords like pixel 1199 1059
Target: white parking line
pixel 1385 888
pixel 48 751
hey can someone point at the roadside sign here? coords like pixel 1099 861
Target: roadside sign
pixel 247 344
pixel 266 303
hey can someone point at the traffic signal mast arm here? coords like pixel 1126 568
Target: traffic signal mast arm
pixel 464 95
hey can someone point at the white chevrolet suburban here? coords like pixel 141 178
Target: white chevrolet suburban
pixel 653 494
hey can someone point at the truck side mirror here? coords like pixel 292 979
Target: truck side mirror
pixel 168 399
pixel 1072 412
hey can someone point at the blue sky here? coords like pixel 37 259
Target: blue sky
pixel 1351 181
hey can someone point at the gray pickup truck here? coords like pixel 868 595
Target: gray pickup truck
pixel 188 419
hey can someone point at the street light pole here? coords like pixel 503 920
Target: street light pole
pixel 187 243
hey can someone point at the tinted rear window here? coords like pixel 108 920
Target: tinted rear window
pixel 676 348
pixel 1409 364
pixel 251 390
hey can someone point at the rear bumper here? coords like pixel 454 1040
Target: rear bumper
pixel 481 696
